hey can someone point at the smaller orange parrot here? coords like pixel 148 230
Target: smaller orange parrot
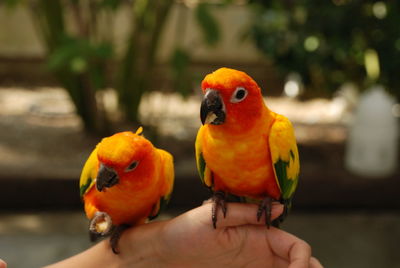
pixel 124 182
pixel 244 149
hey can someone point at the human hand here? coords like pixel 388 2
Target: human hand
pixel 239 240
pixel 189 240
pixel 3 264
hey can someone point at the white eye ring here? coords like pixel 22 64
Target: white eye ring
pixel 239 95
pixel 132 166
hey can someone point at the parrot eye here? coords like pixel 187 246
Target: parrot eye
pixel 132 166
pixel 239 95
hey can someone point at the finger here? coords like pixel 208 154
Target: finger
pixel 299 255
pixel 314 263
pixel 3 264
pixel 289 247
pixel 280 262
pixel 207 201
pixel 241 214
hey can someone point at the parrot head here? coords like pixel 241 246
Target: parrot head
pixel 231 97
pixel 123 156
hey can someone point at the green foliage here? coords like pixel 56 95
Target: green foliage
pixel 82 54
pixel 12 3
pixel 326 41
pixel 110 4
pixel 207 23
pixel 72 49
pixel 79 56
pixel 182 78
pixel 138 61
pixel 180 59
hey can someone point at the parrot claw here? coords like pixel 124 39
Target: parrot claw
pixel 116 235
pixel 265 206
pixel 218 200
pixel 100 225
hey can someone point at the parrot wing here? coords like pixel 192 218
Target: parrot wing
pixel 204 172
pixel 167 174
pixel 284 155
pixel 89 173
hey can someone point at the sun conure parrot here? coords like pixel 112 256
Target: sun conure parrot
pixel 243 148
pixel 125 181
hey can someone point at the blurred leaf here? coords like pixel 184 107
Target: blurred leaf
pixel 182 79
pixel 77 50
pixel 78 65
pixel 227 2
pixel 62 55
pixel 103 50
pixel 140 7
pixel 12 3
pixel 180 60
pixel 74 2
pixel 281 27
pixel 208 24
pixel 98 76
pixel 111 4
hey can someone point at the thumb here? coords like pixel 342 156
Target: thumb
pixel 242 214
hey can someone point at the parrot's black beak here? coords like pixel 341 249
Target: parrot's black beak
pixel 106 177
pixel 212 110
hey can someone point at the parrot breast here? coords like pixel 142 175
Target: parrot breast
pixel 241 164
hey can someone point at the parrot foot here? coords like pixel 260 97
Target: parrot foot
pixel 116 235
pixel 286 207
pixel 100 225
pixel 218 200
pixel 265 206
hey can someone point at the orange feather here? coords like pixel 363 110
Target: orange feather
pixel 237 152
pixel 138 192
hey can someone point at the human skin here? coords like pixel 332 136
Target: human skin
pixel 189 240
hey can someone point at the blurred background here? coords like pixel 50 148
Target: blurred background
pixel 73 71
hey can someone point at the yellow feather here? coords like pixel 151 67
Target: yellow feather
pixel 168 169
pixel 206 172
pixel 89 172
pixel 139 131
pixel 282 142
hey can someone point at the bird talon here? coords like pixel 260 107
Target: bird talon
pixel 265 206
pixel 116 235
pixel 214 221
pixel 218 200
pixel 224 209
pixel 114 243
pixel 259 213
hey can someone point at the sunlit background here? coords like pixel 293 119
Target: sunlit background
pixel 73 71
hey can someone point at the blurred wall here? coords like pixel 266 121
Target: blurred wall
pixel 18 38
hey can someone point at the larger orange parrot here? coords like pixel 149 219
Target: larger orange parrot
pixel 243 148
pixel 125 181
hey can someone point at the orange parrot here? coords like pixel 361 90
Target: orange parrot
pixel 125 181
pixel 243 148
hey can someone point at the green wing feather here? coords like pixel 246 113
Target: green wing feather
pixel 204 172
pixel 89 173
pixel 285 156
pixel 168 175
pixel 286 184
